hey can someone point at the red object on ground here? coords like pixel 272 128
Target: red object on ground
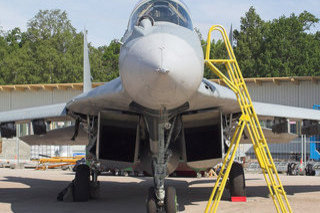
pixel 238 199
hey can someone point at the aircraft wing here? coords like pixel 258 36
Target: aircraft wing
pixel 110 96
pixel 265 110
pixel 271 137
pixel 58 137
pixel 28 114
pixel 213 95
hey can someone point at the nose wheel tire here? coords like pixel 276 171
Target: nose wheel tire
pixel 170 202
pixel 81 184
pixel 151 201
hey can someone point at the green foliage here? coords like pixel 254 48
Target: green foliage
pixel 104 61
pixel 281 47
pixel 3 54
pixel 51 51
pixel 249 43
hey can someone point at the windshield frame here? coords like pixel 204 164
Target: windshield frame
pixel 189 24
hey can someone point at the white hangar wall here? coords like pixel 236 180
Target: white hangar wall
pixel 305 94
pixel 292 91
pixel 10 100
pixel 295 91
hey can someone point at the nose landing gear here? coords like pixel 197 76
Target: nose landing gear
pixel 161 198
pixel 163 127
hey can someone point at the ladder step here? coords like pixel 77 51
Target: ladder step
pixel 240 84
pixel 279 189
pixel 268 166
pixel 268 183
pixel 261 144
pixel 280 192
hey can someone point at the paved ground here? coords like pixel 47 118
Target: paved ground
pixel 24 191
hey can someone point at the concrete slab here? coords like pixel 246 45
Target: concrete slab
pixel 24 191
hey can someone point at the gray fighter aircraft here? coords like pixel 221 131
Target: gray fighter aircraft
pixel 160 112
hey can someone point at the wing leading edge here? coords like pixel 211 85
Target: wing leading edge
pixel 43 112
pixel 210 95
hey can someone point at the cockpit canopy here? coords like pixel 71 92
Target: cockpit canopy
pixel 162 11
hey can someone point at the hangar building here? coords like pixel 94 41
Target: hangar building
pixel 292 91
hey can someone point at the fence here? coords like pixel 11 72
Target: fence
pixel 41 151
pixel 294 151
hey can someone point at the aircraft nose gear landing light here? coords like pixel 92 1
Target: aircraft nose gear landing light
pixel 249 120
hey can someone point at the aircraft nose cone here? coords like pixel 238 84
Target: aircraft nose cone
pixel 160 70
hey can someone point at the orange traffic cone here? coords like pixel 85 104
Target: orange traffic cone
pixel 301 165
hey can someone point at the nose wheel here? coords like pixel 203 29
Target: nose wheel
pixel 170 202
pixel 152 206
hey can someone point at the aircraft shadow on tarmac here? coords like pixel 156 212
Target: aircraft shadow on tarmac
pixel 38 195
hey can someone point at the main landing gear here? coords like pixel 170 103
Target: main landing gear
pixel 237 184
pixel 81 189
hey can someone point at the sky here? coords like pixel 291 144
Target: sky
pixel 106 20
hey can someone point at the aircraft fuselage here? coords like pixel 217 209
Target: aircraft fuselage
pixel 161 64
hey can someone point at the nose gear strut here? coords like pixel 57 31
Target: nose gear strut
pixel 161 130
pixel 160 126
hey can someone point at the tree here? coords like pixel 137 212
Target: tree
pixel 3 54
pixel 51 50
pixel 281 47
pixel 249 43
pixel 56 47
pixel 49 23
pixel 288 49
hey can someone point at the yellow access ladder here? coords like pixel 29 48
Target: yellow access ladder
pixel 249 120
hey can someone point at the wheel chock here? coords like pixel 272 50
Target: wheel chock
pixel 239 199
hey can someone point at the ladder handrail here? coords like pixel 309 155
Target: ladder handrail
pixel 248 119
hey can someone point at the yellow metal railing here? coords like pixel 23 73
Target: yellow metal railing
pixel 249 120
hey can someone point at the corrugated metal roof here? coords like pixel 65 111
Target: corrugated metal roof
pixel 50 87
pixel 79 86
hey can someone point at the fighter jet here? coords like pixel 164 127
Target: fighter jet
pixel 160 112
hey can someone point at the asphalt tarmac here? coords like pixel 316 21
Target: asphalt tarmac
pixel 24 191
